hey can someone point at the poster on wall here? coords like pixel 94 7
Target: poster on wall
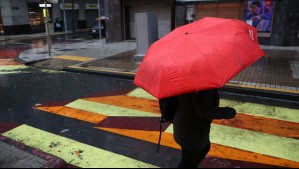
pixel 258 13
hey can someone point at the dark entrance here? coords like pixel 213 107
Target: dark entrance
pixel 36 17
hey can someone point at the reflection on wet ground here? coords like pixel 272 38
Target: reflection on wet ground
pixel 123 62
pixel 12 48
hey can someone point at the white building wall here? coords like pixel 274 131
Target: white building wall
pixel 14 12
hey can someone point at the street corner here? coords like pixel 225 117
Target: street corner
pixel 123 64
pixel 60 62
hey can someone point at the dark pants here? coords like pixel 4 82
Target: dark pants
pixel 191 159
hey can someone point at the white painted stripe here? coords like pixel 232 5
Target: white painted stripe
pixel 76 153
pixel 108 110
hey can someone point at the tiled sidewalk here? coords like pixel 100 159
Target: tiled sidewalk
pixel 12 157
pixel 278 70
pixel 17 155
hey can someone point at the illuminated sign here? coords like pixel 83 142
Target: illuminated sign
pixel 91 6
pixel 68 6
pixel 43 5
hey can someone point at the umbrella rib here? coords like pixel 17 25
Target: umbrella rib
pixel 205 58
pixel 169 53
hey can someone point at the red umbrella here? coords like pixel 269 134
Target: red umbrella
pixel 203 55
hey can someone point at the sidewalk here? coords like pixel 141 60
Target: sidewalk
pixel 278 71
pixel 14 154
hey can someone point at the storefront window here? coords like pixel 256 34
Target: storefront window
pixel 36 20
pixel 258 13
pixel 36 17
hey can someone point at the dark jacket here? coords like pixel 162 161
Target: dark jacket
pixel 193 118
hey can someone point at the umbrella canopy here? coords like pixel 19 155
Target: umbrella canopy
pixel 203 55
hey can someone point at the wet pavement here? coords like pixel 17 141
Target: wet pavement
pixel 105 122
pixel 17 155
pixel 278 71
pixel 94 121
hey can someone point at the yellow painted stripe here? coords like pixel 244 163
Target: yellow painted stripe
pixel 138 92
pixel 17 69
pixel 135 103
pixel 249 122
pixel 76 153
pixel 263 88
pixel 108 110
pixel 280 147
pixel 13 69
pixel 75 58
pixel 278 113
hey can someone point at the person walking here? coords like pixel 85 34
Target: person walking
pixel 192 122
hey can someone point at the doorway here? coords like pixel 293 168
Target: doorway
pixel 1 23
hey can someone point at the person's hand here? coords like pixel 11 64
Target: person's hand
pixel 230 112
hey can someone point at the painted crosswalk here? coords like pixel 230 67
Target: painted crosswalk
pixel 259 134
pixel 71 151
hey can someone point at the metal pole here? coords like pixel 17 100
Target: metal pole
pixel 100 25
pixel 47 28
pixel 73 16
pixel 64 16
pixel 173 14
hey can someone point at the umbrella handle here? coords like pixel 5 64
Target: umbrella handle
pixel 160 137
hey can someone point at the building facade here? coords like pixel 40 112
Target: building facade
pixel 276 20
pixel 28 16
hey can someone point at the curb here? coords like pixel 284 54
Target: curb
pixel 231 91
pixel 52 161
pixel 261 96
pixel 121 75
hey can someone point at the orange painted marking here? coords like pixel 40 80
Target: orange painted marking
pixel 74 113
pixel 130 102
pixel 216 150
pixel 259 124
pixel 263 125
pixel 242 121
pixel 8 62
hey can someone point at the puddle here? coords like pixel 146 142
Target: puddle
pixel 124 62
